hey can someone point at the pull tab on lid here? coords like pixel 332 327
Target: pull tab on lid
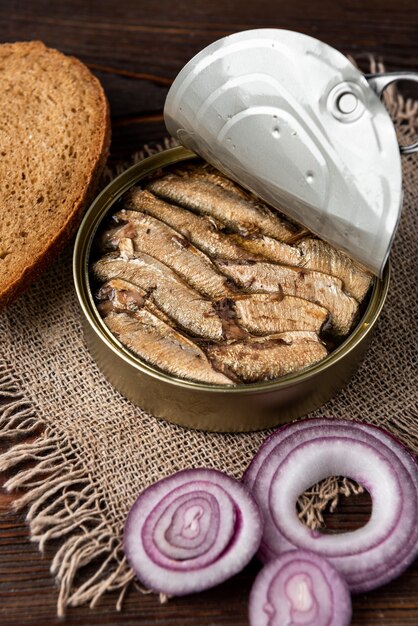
pixel 292 120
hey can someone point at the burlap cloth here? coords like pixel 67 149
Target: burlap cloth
pixel 97 451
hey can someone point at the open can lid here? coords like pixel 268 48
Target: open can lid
pixel 294 121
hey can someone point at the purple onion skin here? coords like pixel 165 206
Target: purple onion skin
pixel 386 555
pixel 299 587
pixel 191 531
pixel 270 442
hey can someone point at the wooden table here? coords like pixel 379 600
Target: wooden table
pixel 136 47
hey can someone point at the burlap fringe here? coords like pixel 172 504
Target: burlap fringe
pixel 324 496
pixel 62 502
pixel 62 499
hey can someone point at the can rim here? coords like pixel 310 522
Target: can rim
pixel 87 230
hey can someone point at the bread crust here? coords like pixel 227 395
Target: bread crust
pixel 75 210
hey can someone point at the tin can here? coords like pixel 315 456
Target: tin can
pixel 205 406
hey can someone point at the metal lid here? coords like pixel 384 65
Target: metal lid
pixel 291 119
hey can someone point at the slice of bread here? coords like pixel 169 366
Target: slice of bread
pixel 54 140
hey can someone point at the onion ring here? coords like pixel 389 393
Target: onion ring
pixel 301 588
pixel 305 452
pixel 191 531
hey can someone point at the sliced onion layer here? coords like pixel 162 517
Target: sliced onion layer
pixel 191 531
pixel 300 588
pixel 305 452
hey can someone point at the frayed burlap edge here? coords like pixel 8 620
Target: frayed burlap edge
pixel 63 503
pixel 63 499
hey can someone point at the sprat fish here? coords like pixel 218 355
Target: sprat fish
pixel 268 357
pixel 158 344
pixel 316 287
pixel 186 307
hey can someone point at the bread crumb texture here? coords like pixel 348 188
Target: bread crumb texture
pixel 54 138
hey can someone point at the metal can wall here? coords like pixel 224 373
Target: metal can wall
pixel 197 405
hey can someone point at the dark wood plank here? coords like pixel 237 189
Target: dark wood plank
pixel 138 38
pixel 136 48
pixel 28 595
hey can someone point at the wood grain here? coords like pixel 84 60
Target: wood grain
pixel 147 43
pixel 28 595
pixel 136 48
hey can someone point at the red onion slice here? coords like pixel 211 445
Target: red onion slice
pixel 270 444
pixel 191 531
pixel 182 531
pixel 289 444
pixel 302 589
pixel 301 454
